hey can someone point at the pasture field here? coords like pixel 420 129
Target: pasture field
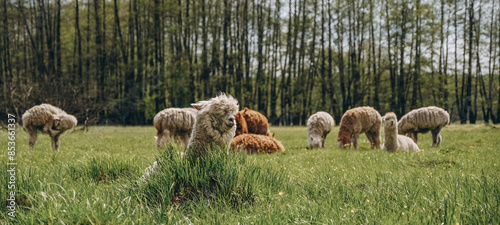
pixel 92 180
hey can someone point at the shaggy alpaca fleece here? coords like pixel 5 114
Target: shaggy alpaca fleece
pixel 215 124
pixel 423 120
pixel 318 126
pixel 255 143
pixel 48 119
pixel 357 121
pixel 241 124
pixel 394 141
pixel 252 122
pixel 174 124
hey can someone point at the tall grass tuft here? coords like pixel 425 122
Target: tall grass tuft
pixel 227 178
pixel 102 169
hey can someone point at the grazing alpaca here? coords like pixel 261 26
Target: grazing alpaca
pixel 423 120
pixel 318 126
pixel 357 121
pixel 174 124
pixel 48 119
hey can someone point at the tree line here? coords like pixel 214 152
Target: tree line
pixel 122 61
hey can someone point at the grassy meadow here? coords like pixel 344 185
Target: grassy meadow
pixel 93 180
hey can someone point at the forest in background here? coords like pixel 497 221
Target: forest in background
pixel 122 61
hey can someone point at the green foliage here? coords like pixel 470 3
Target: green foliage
pixel 457 182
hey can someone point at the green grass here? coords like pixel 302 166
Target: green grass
pixel 93 180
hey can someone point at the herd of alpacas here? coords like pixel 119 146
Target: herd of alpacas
pixel 217 122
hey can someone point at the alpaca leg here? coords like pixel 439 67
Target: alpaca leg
pixel 176 139
pixel 48 128
pixel 436 136
pixel 375 140
pixel 370 137
pixel 55 143
pixel 158 141
pixel 415 137
pixel 32 139
pixel 378 140
pixel 185 139
pixel 355 140
pixel 162 139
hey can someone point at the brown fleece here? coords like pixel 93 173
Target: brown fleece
pixel 255 143
pixel 241 124
pixel 256 123
pixel 357 121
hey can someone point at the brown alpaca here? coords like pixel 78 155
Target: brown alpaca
pixel 255 143
pixel 252 122
pixel 357 121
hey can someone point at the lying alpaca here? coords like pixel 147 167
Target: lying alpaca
pixel 394 141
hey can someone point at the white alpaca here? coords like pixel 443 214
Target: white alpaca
pixel 174 124
pixel 48 119
pixel 318 126
pixel 394 141
pixel 214 126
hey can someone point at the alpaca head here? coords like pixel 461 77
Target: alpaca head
pixel 390 121
pixel 315 142
pixel 63 121
pixel 344 138
pixel 221 111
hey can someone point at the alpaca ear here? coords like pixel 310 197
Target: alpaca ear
pixel 199 105
pixel 383 118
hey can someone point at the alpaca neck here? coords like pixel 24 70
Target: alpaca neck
pixel 391 138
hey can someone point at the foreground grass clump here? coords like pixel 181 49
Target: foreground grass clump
pixel 102 169
pixel 219 176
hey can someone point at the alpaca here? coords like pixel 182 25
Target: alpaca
pixel 241 124
pixel 174 124
pixel 357 121
pixel 423 120
pixel 215 124
pixel 394 141
pixel 48 119
pixel 252 122
pixel 257 143
pixel 318 126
